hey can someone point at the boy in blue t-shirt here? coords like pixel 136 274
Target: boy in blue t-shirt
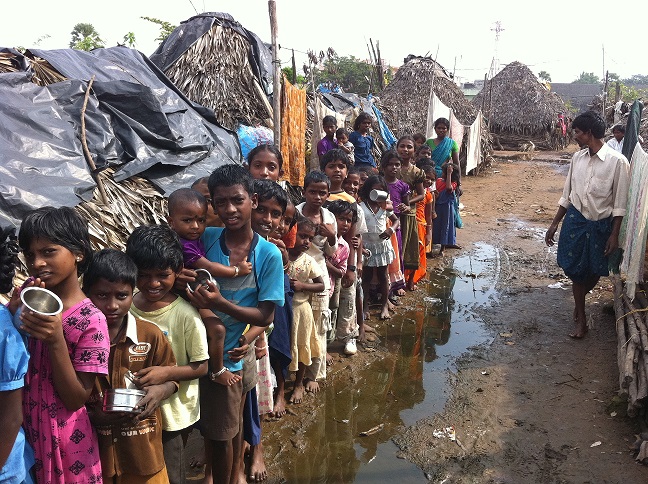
pixel 236 303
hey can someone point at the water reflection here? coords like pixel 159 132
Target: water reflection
pixel 407 383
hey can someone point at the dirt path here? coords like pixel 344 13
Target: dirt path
pixel 527 406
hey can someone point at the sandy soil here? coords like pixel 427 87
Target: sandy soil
pixel 527 407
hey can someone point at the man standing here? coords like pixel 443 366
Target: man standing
pixel 593 204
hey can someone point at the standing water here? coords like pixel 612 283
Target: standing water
pixel 408 383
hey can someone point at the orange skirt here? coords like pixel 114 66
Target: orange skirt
pixel 422 269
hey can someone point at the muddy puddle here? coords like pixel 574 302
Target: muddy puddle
pixel 407 382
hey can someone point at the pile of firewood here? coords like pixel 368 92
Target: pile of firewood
pixel 632 345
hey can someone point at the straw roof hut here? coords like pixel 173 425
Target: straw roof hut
pixel 404 101
pixel 518 107
pixel 219 64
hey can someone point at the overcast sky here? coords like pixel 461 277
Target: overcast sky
pixel 562 37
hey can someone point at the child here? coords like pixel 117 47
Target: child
pixel 430 187
pixel 414 177
pixel 16 456
pixel 157 252
pixel 351 183
pixel 423 156
pixel 316 192
pixel 362 141
pixel 616 141
pixel 376 240
pixel 327 143
pixel 419 140
pixel 200 185
pixel 67 351
pixel 346 216
pixel 390 164
pixel 135 344
pixel 236 303
pixel 342 137
pixel 305 278
pixel 335 165
pixel 424 210
pixel 443 231
pixel 265 162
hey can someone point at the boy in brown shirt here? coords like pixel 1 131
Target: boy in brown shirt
pixel 130 445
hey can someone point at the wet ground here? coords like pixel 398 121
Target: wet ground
pixel 482 348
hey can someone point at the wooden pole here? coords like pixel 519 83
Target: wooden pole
pixel 379 68
pixel 294 68
pixel 84 144
pixel 276 73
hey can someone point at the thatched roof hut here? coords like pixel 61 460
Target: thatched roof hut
pixel 518 107
pixel 404 101
pixel 217 63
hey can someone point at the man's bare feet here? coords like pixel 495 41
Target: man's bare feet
pixel 227 378
pixel 580 329
pixel 257 471
pixel 312 386
pixel 297 394
pixel 279 409
pixel 329 359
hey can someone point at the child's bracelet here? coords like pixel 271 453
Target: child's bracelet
pixel 261 347
pixel 213 376
pixel 236 271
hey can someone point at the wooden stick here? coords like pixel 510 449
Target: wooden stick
pixel 642 384
pixel 276 73
pixel 638 323
pixel 621 333
pixel 629 366
pixel 86 152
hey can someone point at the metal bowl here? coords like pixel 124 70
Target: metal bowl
pixel 41 301
pixel 122 400
pixel 202 277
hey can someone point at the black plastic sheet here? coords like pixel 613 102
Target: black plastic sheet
pixel 136 120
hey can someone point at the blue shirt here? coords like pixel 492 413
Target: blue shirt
pixel 264 283
pixel 13 367
pixel 362 151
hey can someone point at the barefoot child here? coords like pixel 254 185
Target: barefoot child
pixel 237 303
pixel 67 351
pixel 157 253
pixel 306 278
pixel 424 210
pixel 316 192
pixel 376 240
pixel 130 445
pixel 187 217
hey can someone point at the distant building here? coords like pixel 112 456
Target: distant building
pixel 471 89
pixel 576 95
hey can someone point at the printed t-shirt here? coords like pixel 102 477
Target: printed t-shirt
pixel 262 284
pixel 185 331
pixel 13 367
pixel 133 448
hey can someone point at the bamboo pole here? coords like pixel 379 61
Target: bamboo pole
pixel 86 152
pixel 620 330
pixel 276 73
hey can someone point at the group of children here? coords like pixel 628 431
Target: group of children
pixel 211 353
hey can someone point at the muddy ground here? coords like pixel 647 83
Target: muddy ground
pixel 526 401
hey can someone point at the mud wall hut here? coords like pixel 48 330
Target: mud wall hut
pixel 519 108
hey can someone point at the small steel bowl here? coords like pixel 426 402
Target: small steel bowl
pixel 122 400
pixel 41 301
pixel 202 277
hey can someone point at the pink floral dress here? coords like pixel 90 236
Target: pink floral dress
pixel 64 442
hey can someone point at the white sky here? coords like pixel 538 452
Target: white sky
pixel 561 37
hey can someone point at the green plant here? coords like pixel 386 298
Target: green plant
pixel 165 27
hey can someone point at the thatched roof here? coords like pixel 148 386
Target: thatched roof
pixel 405 100
pixel 516 103
pixel 214 62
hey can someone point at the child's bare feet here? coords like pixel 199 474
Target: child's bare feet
pixel 412 287
pixel 366 315
pixel 385 314
pixel 400 293
pixel 257 472
pixel 297 394
pixel 312 386
pixel 279 409
pixel 329 359
pixel 580 329
pixel 227 378
pixel 368 329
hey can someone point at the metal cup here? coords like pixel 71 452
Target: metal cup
pixel 41 301
pixel 202 277
pixel 378 195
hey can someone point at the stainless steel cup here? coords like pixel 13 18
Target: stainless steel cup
pixel 378 195
pixel 41 301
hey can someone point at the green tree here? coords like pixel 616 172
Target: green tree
pixel 628 93
pixel 636 79
pixel 349 73
pixel 288 72
pixel 545 76
pixel 165 27
pixel 129 40
pixel 612 76
pixel 85 37
pixel 587 78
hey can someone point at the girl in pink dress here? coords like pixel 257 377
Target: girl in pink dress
pixel 67 351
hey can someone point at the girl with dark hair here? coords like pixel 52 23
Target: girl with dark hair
pixel 68 350
pixel 362 141
pixel 265 162
pixel 16 456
